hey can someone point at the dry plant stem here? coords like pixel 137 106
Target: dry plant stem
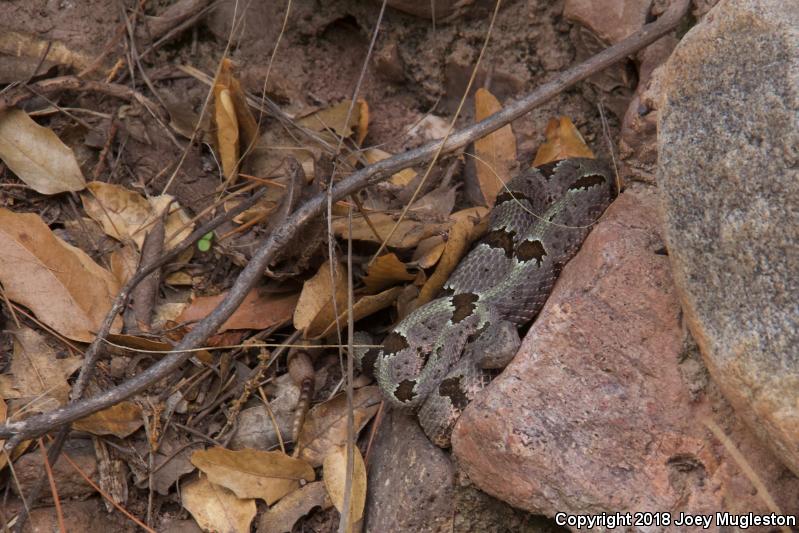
pixel 53 489
pixel 72 83
pixel 284 235
pixel 252 383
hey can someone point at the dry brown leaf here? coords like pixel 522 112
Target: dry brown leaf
pixel 460 238
pixel 227 124
pixel 178 224
pixel 429 251
pixel 259 310
pixel 246 123
pixel 36 373
pixel 253 473
pixel 407 235
pixel 60 283
pixel 401 178
pixel 386 271
pixel 126 215
pixel 315 305
pixel 363 120
pixel 335 475
pixel 217 509
pixel 281 517
pixel 119 420
pixel 119 342
pixel 563 141
pixel 37 156
pixel 326 424
pixel 436 205
pixel 334 117
pixel 124 261
pixel 363 307
pixel 496 152
pixel 179 279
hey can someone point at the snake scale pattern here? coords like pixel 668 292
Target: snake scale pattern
pixel 441 355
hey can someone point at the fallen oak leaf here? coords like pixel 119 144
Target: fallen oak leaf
pixel 428 251
pixel 281 517
pixel 407 235
pixel 37 156
pixel 385 271
pixel 216 508
pixel 461 236
pixel 563 141
pixel 259 310
pixel 326 424
pixel 401 178
pixel 126 215
pixel 315 305
pixel 60 283
pixel 36 374
pixel 120 420
pixel 253 473
pixel 334 468
pixel 365 305
pixel 496 152
pixel 334 117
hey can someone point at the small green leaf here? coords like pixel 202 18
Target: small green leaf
pixel 204 244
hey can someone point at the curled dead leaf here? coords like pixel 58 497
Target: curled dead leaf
pixel 120 420
pixel 407 235
pixel 253 473
pixel 563 141
pixel 236 128
pixel 496 152
pixel 315 305
pixel 385 271
pixel 326 424
pixel 335 475
pixel 127 216
pixel 259 310
pixel 281 517
pixel 216 508
pixel 37 156
pixel 363 307
pixel 460 238
pixel 429 251
pixel 60 283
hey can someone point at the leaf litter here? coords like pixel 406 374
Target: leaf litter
pixel 168 434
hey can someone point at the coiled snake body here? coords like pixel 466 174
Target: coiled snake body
pixel 438 358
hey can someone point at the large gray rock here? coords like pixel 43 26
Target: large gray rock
pixel 728 175
pixel 414 487
pixel 410 480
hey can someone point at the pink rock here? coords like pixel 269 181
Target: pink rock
pixel 610 20
pixel 603 407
